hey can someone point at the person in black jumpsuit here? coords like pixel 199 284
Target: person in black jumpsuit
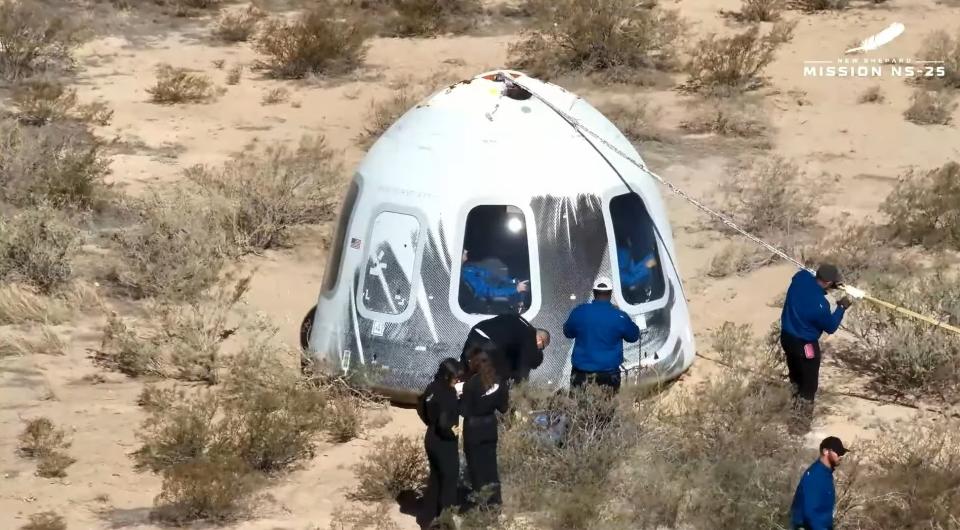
pixel 519 345
pixel 438 407
pixel 483 395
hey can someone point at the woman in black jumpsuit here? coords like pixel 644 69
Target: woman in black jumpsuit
pixel 483 394
pixel 438 408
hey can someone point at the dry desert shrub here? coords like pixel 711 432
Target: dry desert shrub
pixel 274 96
pixel 185 341
pixel 386 112
pixel 176 250
pixel 862 251
pixel 215 446
pixel 739 258
pixel 924 208
pixel 178 85
pixel 904 356
pixel 930 107
pixel 397 464
pixel 40 439
pixel 265 193
pixel 771 197
pixel 872 95
pixel 233 75
pixel 727 65
pixel 345 421
pixel 761 10
pixel 361 518
pixel 48 343
pixel 639 121
pixel 45 521
pixel 37 248
pixel 941 46
pixel 239 25
pixel 731 339
pixel 734 118
pixel 35 38
pixel 910 479
pixel 612 37
pixel 41 100
pixel 318 41
pixel 432 17
pixel 819 5
pixel 62 162
pixel 21 304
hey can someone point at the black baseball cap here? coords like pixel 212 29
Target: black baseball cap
pixel 829 273
pixel 834 444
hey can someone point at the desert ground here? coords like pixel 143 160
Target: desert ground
pixel 850 152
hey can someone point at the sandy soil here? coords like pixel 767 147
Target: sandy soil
pixel 819 125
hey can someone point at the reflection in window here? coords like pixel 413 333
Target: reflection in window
pixel 390 262
pixel 638 258
pixel 495 269
pixel 334 261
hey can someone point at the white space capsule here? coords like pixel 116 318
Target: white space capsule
pixel 475 191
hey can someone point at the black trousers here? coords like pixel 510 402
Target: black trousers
pixel 804 375
pixel 483 472
pixel 611 380
pixel 444 459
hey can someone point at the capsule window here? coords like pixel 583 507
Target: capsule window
pixel 388 271
pixel 335 260
pixel 637 254
pixel 495 262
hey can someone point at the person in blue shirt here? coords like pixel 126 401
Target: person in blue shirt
pixel 633 274
pixel 806 316
pixel 598 329
pixel 488 286
pixel 814 500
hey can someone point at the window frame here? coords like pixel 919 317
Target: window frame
pixel 348 219
pixel 415 281
pixel 533 254
pixel 651 305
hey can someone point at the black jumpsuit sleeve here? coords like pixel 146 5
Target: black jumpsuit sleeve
pixel 448 417
pixel 530 356
pixel 503 399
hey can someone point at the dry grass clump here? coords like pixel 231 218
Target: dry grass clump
pixel 37 248
pixel 384 113
pixel 769 198
pixel 361 518
pixel 432 17
pixel 43 441
pixel 397 464
pixel 239 26
pixel 214 447
pixel 62 162
pixel 176 251
pixel 639 121
pixel 734 118
pixel 903 356
pixel 233 75
pixel 872 95
pixel 861 251
pixel 35 38
pixel 318 41
pixel 942 46
pixel 819 5
pixel 185 343
pixel 40 101
pixel 179 85
pixel 729 340
pixel 930 107
pixel 20 304
pixel 274 96
pixel 731 64
pixel 925 208
pixel 48 343
pixel 265 193
pixel 45 521
pixel 613 37
pixel 761 10
pixel 739 258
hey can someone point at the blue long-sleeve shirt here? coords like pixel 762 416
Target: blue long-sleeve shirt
pixel 806 312
pixel 599 329
pixel 632 273
pixel 485 284
pixel 814 500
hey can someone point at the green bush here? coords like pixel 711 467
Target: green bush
pixel 735 63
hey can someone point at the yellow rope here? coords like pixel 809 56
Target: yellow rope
pixel 913 314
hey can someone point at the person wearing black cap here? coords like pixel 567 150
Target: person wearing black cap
pixel 519 345
pixel 813 502
pixel 806 316
pixel 598 329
